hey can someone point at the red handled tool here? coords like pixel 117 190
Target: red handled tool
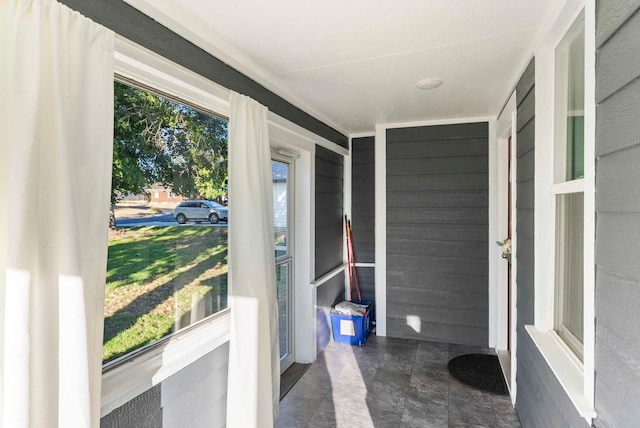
pixel 346 232
pixel 353 260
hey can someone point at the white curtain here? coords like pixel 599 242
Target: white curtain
pixel 56 131
pixel 254 360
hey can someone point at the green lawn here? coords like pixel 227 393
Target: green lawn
pixel 160 279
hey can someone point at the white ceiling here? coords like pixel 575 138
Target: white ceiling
pixel 354 63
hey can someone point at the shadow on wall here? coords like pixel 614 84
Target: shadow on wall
pixel 323 322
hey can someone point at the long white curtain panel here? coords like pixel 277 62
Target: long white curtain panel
pixel 254 359
pixel 56 132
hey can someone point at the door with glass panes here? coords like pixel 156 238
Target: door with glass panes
pixel 282 176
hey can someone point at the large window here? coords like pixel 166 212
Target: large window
pixel 568 189
pixel 167 263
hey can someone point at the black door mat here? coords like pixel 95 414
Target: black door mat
pixel 479 371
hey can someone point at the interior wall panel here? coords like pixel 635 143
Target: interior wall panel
pixel 437 231
pixel 329 211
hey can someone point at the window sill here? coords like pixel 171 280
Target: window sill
pixel 564 367
pixel 132 377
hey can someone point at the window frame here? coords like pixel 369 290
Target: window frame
pixel 126 377
pixel 562 185
pixel 575 377
pixel 122 383
pixel 289 259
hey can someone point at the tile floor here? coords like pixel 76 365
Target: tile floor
pixel 391 383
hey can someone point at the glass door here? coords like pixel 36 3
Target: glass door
pixel 281 172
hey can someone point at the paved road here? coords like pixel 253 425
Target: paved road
pixel 160 220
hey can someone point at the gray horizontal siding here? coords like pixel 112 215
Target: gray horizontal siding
pixel 438 149
pixel 367 281
pixel 435 199
pixel 611 14
pixel 618 62
pixel 441 182
pixel 363 198
pixel 617 350
pixel 438 332
pixel 420 134
pixel 144 411
pixel 443 165
pixel 454 282
pixel 618 126
pixel 617 360
pixel 329 174
pixel 437 231
pixel 137 27
pixel 525 183
pixel 526 83
pixel 541 400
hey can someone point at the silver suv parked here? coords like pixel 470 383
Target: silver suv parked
pixel 200 210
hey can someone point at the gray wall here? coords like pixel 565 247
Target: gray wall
pixel 137 27
pixel 329 227
pixel 618 209
pixel 195 397
pixel 363 211
pixel 437 231
pixel 541 400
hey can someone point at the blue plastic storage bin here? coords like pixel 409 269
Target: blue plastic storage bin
pixel 352 329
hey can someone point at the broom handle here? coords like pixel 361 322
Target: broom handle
pixel 346 229
pixel 353 257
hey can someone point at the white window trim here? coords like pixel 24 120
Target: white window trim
pixel 577 379
pixel 141 371
pixel 505 128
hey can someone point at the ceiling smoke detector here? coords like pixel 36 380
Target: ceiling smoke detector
pixel 427 84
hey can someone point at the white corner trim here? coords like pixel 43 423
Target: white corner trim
pixel 498 228
pixel 381 229
pixel 435 122
pixel 495 280
pixel 565 369
pixel 136 375
pixel 362 134
pixel 326 278
pixel 514 257
pixel 589 199
pixel 366 265
pixel 573 186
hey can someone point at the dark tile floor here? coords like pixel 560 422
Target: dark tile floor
pixel 391 383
